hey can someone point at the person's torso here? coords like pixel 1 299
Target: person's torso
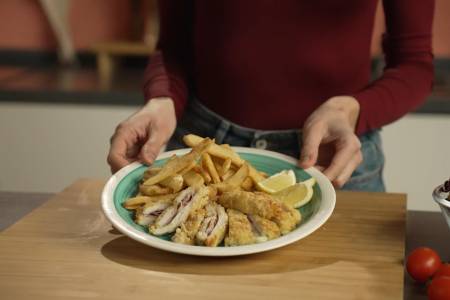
pixel 268 64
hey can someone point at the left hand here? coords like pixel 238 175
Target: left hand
pixel 329 139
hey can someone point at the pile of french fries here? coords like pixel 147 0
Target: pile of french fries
pixel 207 164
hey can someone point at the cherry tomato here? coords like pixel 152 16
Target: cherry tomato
pixel 439 288
pixel 444 270
pixel 422 263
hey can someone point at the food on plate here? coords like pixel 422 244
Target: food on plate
pixel 191 178
pixel 240 230
pixel 244 229
pixel 210 196
pixel 262 205
pixel 257 203
pixel 224 152
pixel 179 163
pixel 154 190
pixel 235 181
pixel 189 200
pixel 264 228
pixel 213 227
pixel 147 214
pixel 287 219
pixel 185 234
pixel 174 183
pixel 138 201
pixel 277 182
pixel 296 195
pixel 209 165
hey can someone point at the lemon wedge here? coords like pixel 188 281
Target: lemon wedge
pixel 310 182
pixel 277 182
pixel 297 195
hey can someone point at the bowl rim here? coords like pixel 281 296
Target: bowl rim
pixel 328 202
pixel 437 196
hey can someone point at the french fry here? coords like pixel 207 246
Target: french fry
pixel 151 172
pixel 153 190
pixel 192 178
pixel 175 183
pixel 226 146
pixel 208 165
pixel 239 176
pixel 179 163
pixel 223 151
pixel 254 174
pixel 215 150
pixel 135 202
pixel 247 184
pixel 235 181
pixel 218 167
pixel 226 165
pixel 228 174
pixel 205 175
pixel 188 168
pixel 263 174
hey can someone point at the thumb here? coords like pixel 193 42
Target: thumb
pixel 153 145
pixel 312 137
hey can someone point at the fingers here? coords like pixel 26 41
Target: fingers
pixel 320 168
pixel 150 150
pixel 347 157
pixel 313 135
pixel 347 172
pixel 117 158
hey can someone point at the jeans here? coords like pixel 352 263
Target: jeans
pixel 199 120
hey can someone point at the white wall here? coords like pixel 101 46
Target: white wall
pixel 44 148
pixel 417 150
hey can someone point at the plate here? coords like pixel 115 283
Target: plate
pixel 124 184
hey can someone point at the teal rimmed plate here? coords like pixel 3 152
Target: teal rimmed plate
pixel 124 183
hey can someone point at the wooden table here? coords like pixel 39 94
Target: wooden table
pixel 66 249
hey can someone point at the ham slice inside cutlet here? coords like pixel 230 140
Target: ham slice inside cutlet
pixel 188 201
pixel 213 227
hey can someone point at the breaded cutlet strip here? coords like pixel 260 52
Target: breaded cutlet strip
pixel 188 201
pixel 240 231
pixel 266 227
pixel 288 219
pixel 185 234
pixel 214 226
pixel 260 204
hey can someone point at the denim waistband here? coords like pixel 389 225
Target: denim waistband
pixel 196 108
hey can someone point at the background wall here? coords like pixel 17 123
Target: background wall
pixel 47 147
pixel 23 25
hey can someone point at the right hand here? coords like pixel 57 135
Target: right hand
pixel 142 135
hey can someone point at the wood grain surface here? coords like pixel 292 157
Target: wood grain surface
pixel 66 249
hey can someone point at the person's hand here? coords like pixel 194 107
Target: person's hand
pixel 142 135
pixel 329 139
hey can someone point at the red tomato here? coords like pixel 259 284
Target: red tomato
pixel 439 288
pixel 444 270
pixel 422 263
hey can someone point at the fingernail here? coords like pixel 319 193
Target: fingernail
pixel 148 155
pixel 305 158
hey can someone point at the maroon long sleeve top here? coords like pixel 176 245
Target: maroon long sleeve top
pixel 268 64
